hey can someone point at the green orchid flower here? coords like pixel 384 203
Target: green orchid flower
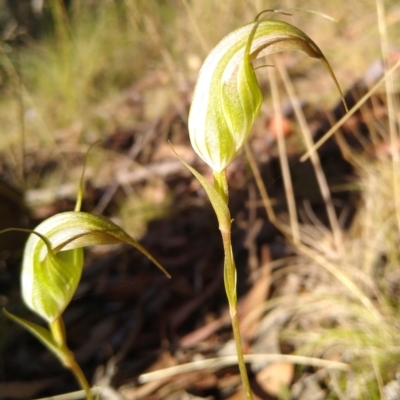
pixel 53 258
pixel 227 97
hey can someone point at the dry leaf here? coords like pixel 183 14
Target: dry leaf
pixel 254 298
pixel 274 377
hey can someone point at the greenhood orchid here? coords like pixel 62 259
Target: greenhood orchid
pixel 226 101
pixel 227 96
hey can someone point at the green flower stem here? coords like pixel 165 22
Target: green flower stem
pixel 57 329
pixel 221 186
pixel 80 376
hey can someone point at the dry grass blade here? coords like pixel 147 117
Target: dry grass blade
pixel 338 124
pixel 196 28
pixel 323 185
pixel 217 363
pixel 267 202
pixel 345 280
pixel 389 83
pixel 283 158
pixel 78 395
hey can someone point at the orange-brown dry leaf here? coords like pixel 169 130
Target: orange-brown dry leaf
pixel 275 376
pixel 274 128
pixel 254 298
pixel 240 395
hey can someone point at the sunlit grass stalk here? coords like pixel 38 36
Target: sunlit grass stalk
pixel 283 158
pixel 221 362
pixel 352 111
pixel 319 173
pixel 389 83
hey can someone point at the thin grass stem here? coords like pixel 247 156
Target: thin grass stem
pixel 346 281
pixel 339 123
pixel 389 84
pixel 196 27
pixel 216 363
pixel 260 184
pixel 287 181
pixel 323 185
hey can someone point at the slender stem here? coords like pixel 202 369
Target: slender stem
pixel 67 357
pixel 80 376
pixel 57 329
pixel 230 287
pixel 220 184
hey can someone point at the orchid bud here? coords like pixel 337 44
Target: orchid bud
pixel 227 96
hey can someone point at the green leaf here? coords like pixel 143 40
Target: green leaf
pixel 43 334
pixel 219 205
